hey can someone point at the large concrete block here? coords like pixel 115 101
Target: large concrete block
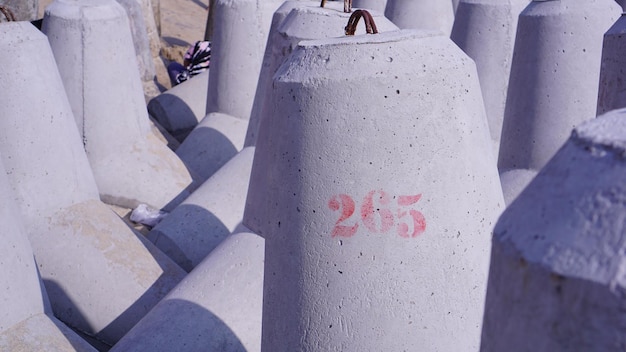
pixel 23 10
pixel 42 333
pixel 205 218
pixel 372 201
pixel 612 90
pixel 236 56
pixel 100 276
pixel 180 109
pixel 554 78
pixel 296 21
pixel 214 141
pixel 217 308
pixel 141 41
pixel 556 277
pixel 485 30
pixel 130 165
pixel 376 5
pixel 421 14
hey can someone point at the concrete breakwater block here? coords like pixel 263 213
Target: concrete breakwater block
pixel 236 56
pixel 305 20
pixel 181 108
pixel 421 14
pixel 214 141
pixel 612 91
pixel 23 324
pixel 354 204
pixel 554 78
pixel 100 277
pixel 485 31
pixel 23 10
pixel 555 282
pixel 130 165
pixel 376 5
pixel 208 215
pixel 216 308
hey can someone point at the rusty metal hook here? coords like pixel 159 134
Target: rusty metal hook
pixel 347 5
pixel 370 26
pixel 7 13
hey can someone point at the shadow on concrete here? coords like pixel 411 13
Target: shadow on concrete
pixel 171 112
pixel 188 235
pixel 180 325
pixel 206 150
pixel 201 4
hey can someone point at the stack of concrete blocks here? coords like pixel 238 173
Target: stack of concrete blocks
pixel 556 281
pixel 130 164
pixel 421 14
pixel 376 5
pixel 24 325
pixel 553 84
pixel 485 30
pixel 202 221
pixel 216 308
pixel 101 277
pixel 390 126
pixel 23 10
pixel 612 90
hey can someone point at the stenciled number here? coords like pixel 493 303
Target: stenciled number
pixel 376 215
pixel 347 206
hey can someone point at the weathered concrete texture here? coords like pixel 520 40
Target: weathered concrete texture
pixel 23 10
pixel 420 175
pixel 217 308
pixel 236 56
pixel 514 181
pixel 130 165
pixel 141 41
pixel 42 333
pixel 556 279
pixel 612 90
pixel 210 214
pixel 216 139
pixel 180 109
pixel 296 21
pixel 100 277
pixel 485 30
pixel 421 14
pixel 376 5
pixel 554 78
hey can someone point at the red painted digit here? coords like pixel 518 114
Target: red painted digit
pixel 347 206
pixel 368 212
pixel 419 222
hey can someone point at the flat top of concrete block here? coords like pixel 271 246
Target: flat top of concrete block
pixel 607 133
pixel 12 33
pixel 92 9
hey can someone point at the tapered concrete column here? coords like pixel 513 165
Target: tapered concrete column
pixel 554 75
pixel 100 277
pixel 205 218
pixel 455 5
pixel 130 165
pixel 557 260
pixel 23 10
pixel 485 31
pixel 141 41
pixel 305 20
pixel 421 14
pixel 612 91
pixel 351 196
pixel 376 5
pixel 214 141
pixel 217 308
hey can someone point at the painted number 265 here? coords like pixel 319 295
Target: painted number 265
pixel 377 216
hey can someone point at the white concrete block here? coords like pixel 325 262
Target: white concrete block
pixel 181 108
pixel 101 278
pixel 214 141
pixel 104 89
pixel 376 197
pixel 557 262
pixel 554 78
pixel 376 5
pixel 236 56
pixel 421 14
pixel 205 218
pixel 612 91
pixel 485 30
pixel 217 308
pixel 305 20
pixel 141 41
pixel 514 181
pixel 23 10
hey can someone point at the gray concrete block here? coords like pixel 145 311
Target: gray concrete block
pixel 421 14
pixel 612 92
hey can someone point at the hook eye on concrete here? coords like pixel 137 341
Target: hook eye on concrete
pixel 370 26
pixel 7 13
pixel 347 5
